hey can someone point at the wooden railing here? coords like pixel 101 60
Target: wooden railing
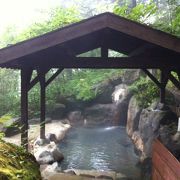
pixel 165 165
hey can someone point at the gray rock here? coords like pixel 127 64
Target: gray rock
pixel 41 142
pixel 100 114
pixel 176 137
pixel 121 97
pixel 169 136
pixel 50 170
pixel 133 117
pixel 131 75
pixel 152 124
pixel 37 121
pixel 45 157
pixel 57 155
pixel 11 127
pixel 58 111
pixel 106 89
pixel 69 171
pixel 104 177
pixel 51 137
pixel 75 116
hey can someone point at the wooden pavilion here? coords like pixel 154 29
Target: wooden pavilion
pixel 146 48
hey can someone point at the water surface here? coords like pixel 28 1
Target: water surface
pixel 100 149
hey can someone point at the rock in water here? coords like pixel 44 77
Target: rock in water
pixel 49 170
pixel 48 154
pixel 51 137
pixel 45 157
pixel 57 155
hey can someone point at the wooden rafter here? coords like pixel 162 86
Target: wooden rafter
pixel 153 78
pixel 129 29
pixel 174 81
pixel 53 76
pixel 118 62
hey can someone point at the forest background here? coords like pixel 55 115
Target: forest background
pixel 78 83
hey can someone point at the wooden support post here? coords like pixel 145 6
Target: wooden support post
pixel 164 80
pixel 35 81
pixel 42 81
pixel 104 52
pixel 25 79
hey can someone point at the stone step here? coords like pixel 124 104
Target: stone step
pixel 87 175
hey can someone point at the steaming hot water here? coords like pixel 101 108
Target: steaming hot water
pixel 100 149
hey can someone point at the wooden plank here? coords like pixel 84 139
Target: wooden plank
pixel 54 38
pixel 86 27
pixel 165 163
pixel 156 175
pixel 162 166
pixel 119 62
pixel 144 32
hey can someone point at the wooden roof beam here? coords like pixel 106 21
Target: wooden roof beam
pixel 118 62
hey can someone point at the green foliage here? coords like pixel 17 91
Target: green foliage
pixel 141 12
pixel 5 118
pixel 145 91
pixel 163 15
pixel 9 91
pixel 83 81
pixel 1 135
pixel 16 163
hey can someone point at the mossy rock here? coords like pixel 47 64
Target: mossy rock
pixel 16 163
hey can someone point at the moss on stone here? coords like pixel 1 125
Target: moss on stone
pixel 16 163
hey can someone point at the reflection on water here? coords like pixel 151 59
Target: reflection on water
pixel 100 149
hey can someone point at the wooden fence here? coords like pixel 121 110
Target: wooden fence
pixel 165 165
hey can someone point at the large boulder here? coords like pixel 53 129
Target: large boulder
pixel 50 170
pixel 169 136
pixel 99 114
pixel 74 104
pixel 75 117
pixel 59 111
pixel 10 127
pixel 48 153
pixel 105 90
pixel 121 97
pixel 134 111
pixel 45 157
pixel 148 129
pixel 131 75
pixel 57 154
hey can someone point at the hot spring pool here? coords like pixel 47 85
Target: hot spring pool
pixel 100 149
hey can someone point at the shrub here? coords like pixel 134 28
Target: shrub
pixel 145 91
